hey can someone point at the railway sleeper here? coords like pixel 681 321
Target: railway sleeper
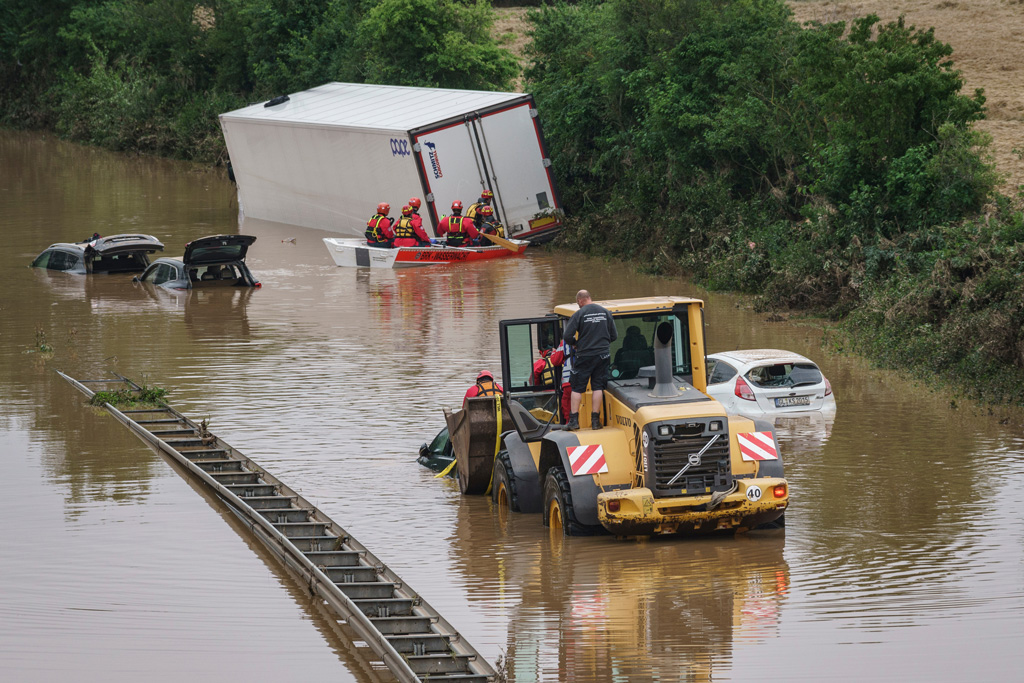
pixel 184 430
pixel 368 590
pixel 409 624
pixel 337 558
pixel 302 529
pixel 309 544
pixel 184 441
pixel 342 575
pixel 439 663
pixel 161 420
pixel 459 678
pixel 200 453
pixel 247 491
pixel 243 477
pixel 215 466
pixel 420 643
pixel 286 515
pixel 136 411
pixel 272 502
pixel 386 607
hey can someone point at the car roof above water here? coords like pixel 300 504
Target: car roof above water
pixel 761 356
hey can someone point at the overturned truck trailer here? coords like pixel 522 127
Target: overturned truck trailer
pixel 324 157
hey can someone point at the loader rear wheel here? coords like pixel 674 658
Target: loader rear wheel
pixel 558 510
pixel 503 492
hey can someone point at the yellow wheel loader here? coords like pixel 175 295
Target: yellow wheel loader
pixel 667 458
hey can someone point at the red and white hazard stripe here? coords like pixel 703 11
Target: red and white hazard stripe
pixel 586 460
pixel 757 446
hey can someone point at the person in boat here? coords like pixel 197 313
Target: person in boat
pixel 486 196
pixel 485 386
pixel 378 228
pixel 95 236
pixel 457 229
pixel 486 225
pixel 409 230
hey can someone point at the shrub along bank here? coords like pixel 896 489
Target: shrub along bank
pixel 832 168
pixel 152 75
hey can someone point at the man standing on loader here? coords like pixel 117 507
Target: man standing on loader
pixel 591 330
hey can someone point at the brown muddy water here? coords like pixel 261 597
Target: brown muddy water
pixel 903 558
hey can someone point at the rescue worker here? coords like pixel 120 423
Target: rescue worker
pixel 409 230
pixel 457 229
pixel 590 330
pixel 544 367
pixel 486 197
pixel 378 228
pixel 485 386
pixel 485 224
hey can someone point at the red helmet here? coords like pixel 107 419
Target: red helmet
pixel 486 210
pixel 414 202
pixel 406 210
pixel 487 194
pixel 383 208
pixel 456 205
pixel 485 373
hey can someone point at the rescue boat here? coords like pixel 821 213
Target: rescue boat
pixel 355 253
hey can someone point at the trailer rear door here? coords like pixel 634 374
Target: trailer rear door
pixel 500 150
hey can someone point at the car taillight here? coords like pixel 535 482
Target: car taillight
pixel 779 491
pixel 743 390
pixel 828 386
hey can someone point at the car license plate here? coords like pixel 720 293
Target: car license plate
pixel 789 401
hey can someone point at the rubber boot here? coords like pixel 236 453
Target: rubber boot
pixel 595 421
pixel 574 422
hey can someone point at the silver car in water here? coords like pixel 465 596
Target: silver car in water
pixel 768 382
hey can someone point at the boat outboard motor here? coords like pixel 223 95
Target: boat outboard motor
pixel 664 386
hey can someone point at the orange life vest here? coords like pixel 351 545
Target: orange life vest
pixel 486 388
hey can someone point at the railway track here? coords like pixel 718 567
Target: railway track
pixel 411 638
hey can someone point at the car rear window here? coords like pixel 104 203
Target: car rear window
pixel 785 375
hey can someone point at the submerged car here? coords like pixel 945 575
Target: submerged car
pixel 215 261
pixel 114 254
pixel 768 382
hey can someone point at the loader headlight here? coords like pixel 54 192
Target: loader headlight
pixel 715 426
pixel 664 430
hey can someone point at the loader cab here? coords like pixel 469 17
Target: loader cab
pixel 524 342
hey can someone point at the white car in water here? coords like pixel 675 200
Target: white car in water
pixel 768 382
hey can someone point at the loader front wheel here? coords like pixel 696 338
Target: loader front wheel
pixel 503 492
pixel 558 510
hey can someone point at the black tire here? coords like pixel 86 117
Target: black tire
pixel 503 488
pixel 558 510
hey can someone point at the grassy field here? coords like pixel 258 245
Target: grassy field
pixel 985 35
pixel 986 39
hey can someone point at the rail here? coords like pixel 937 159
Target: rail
pixel 412 639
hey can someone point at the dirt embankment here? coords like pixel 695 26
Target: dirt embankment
pixel 986 36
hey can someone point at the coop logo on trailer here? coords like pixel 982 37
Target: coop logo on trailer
pixel 435 165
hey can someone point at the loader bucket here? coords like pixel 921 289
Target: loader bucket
pixel 474 435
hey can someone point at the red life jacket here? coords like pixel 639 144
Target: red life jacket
pixel 373 231
pixel 452 225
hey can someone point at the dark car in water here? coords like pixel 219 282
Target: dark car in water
pixel 208 262
pixel 115 254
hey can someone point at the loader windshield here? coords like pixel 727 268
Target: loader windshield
pixel 634 348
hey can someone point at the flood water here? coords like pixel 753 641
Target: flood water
pixel 903 557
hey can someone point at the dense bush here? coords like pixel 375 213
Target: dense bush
pixel 152 75
pixel 829 167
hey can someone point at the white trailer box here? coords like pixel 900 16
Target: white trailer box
pixel 325 157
